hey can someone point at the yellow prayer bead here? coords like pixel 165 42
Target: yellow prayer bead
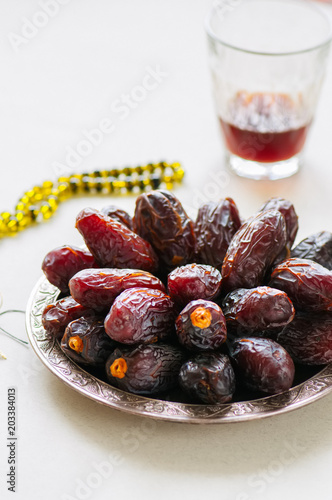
pixel 135 182
pixel 119 184
pixel 47 187
pixel 22 220
pixel 62 180
pixel 76 183
pixel 25 199
pixel 178 174
pixel 3 228
pixel 46 211
pixel 21 207
pixel 5 216
pixel 151 167
pixel 64 192
pixel 91 184
pixel 105 185
pixel 30 194
pixel 53 202
pixel 12 226
pixel 38 197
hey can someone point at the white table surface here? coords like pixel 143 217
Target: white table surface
pixel 64 80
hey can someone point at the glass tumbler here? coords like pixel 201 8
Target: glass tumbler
pixel 268 59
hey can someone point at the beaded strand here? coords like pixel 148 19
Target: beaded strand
pixel 41 202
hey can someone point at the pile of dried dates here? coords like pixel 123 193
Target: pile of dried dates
pixel 210 311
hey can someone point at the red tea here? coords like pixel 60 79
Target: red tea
pixel 264 147
pixel 263 128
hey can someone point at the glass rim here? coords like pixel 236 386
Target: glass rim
pixel 325 42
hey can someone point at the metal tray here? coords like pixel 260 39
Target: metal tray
pixel 50 353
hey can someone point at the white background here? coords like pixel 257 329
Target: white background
pixel 64 80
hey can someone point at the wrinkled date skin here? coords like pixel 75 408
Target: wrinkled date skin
pixel 262 365
pixel 258 308
pixel 56 317
pixel 208 378
pixel 160 219
pixel 60 264
pixel 113 244
pixel 140 315
pixel 288 211
pixel 145 369
pixel 98 288
pixel 119 215
pixel 201 326
pixel 86 342
pixel 193 281
pixel 308 339
pixel 317 247
pixel 215 226
pixel 253 249
pixel 308 284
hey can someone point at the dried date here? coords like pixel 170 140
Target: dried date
pixel 262 365
pixel 113 244
pixel 253 249
pixel 86 342
pixel 145 369
pixel 308 339
pixel 193 281
pixel 56 317
pixel 61 263
pixel 161 219
pixel 317 247
pixel 98 288
pixel 201 326
pixel 140 315
pixel 288 211
pixel 308 284
pixel 258 308
pixel 208 378
pixel 215 226
pixel 119 215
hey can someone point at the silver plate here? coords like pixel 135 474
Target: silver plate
pixel 48 350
